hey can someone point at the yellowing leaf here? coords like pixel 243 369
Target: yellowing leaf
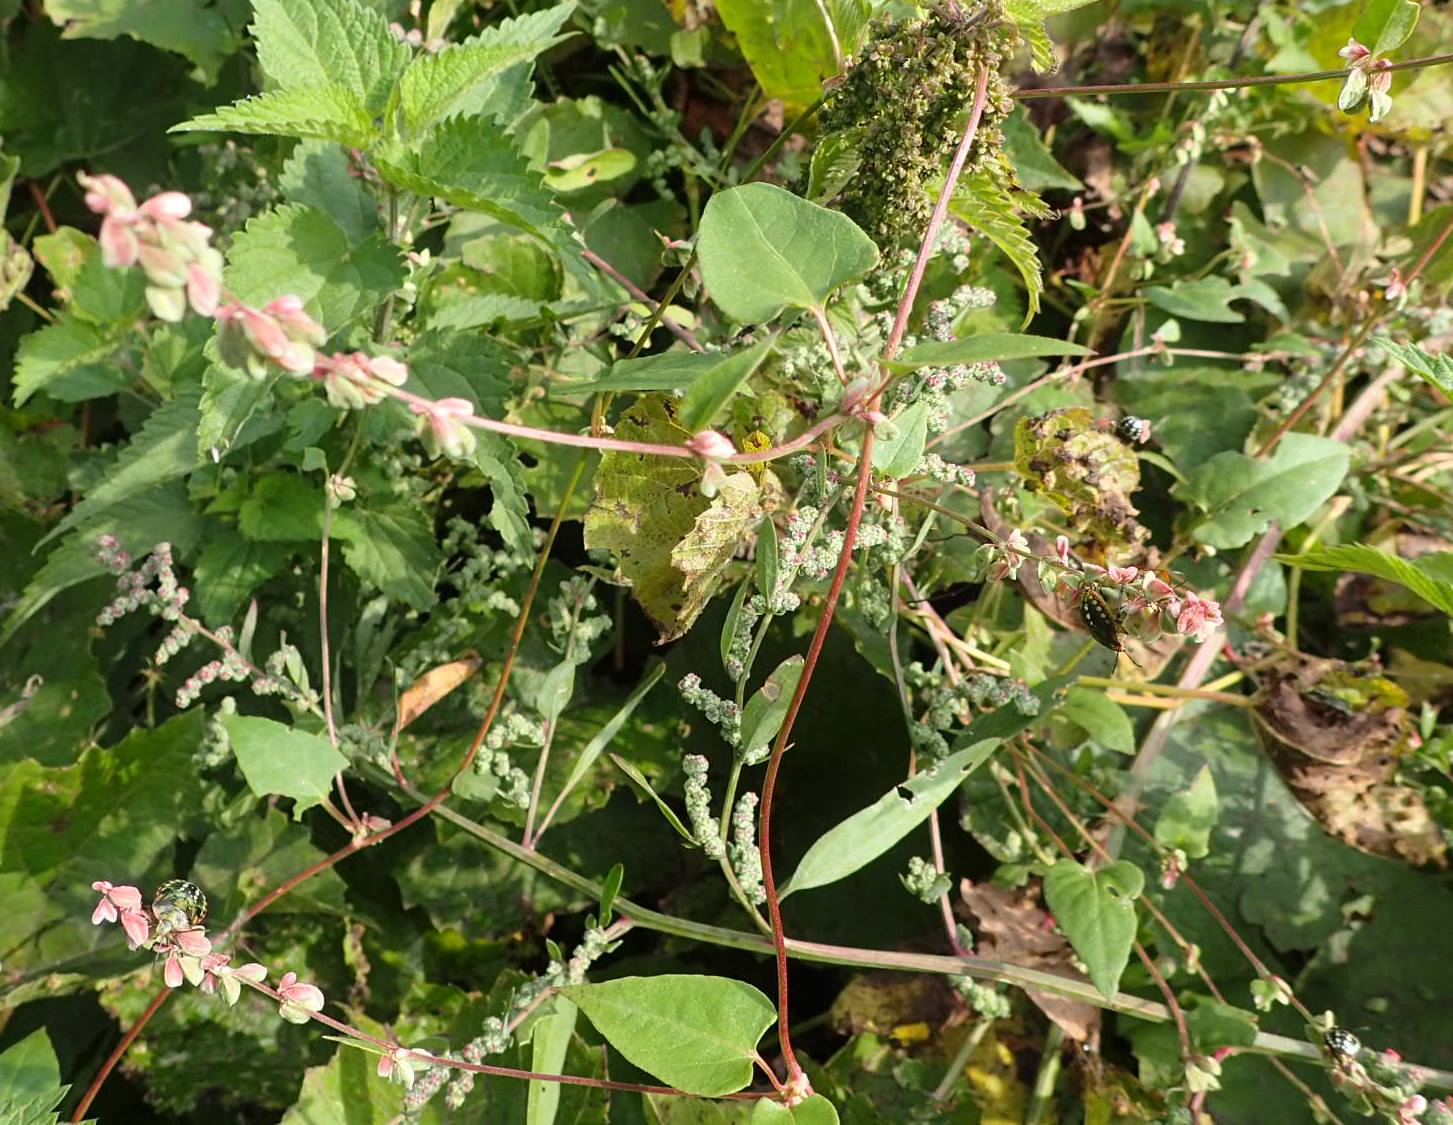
pixel 671 541
pixel 433 686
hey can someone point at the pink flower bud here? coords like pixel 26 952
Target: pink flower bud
pixel 1062 549
pixel 288 311
pixel 1122 574
pixel 388 369
pixel 108 195
pixel 711 445
pixel 172 973
pixel 442 426
pixel 1354 52
pixel 204 288
pixel 167 205
pixel 119 245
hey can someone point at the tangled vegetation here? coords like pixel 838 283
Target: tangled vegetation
pixel 744 561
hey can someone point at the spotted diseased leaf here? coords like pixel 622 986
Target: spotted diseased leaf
pixel 670 540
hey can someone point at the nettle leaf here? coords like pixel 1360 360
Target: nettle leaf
pixel 835 161
pixel 1434 369
pixel 1240 495
pixel 319 175
pixel 278 760
pixel 71 360
pixel 392 549
pixel 472 163
pixel 312 43
pixel 1029 16
pixel 987 205
pixel 1429 576
pixel 1188 816
pixel 763 249
pixel 1385 25
pixel 444 84
pixel 696 1033
pixel 867 834
pixel 300 250
pixel 789 45
pixel 324 112
pixel 201 32
pixel 228 570
pixel 1096 911
pixel 672 542
pixel 988 347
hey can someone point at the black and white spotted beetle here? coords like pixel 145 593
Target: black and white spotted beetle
pixel 178 905
pixel 1101 622
pixel 1342 1045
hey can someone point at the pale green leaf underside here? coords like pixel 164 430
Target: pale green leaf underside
pixel 277 760
pixel 1414 575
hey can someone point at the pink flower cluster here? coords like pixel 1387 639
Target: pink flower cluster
pixel 443 426
pixel 1159 603
pixel 1367 78
pixel 278 335
pixel 189 955
pixel 180 264
pixel 354 380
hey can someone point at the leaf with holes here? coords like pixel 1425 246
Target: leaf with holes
pixel 1096 911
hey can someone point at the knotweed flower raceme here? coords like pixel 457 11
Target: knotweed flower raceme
pixel 278 335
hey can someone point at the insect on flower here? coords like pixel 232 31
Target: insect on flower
pixel 1101 622
pixel 1342 1045
pixel 178 905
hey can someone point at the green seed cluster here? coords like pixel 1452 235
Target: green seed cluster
pixel 908 97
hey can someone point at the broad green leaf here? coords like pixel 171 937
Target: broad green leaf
pixel 645 786
pixel 764 712
pixel 443 84
pixel 669 371
pixel 789 44
pixel 70 360
pixel 988 347
pixel 1096 911
pixel 29 1067
pixel 201 32
pixel 603 737
pixel 985 203
pixel 229 570
pixel 709 393
pixel 1421 575
pixel 311 43
pixel 897 454
pixel 346 1090
pixel 278 760
pixel 325 112
pixel 1206 298
pixel 471 163
pixel 816 1110
pixel 1188 816
pixel 1240 495
pixel 1434 369
pixel 299 250
pixel 1034 164
pixel 672 542
pixel 556 688
pixel 867 834
pixel 163 449
pixel 696 1033
pixel 763 249
pixel 1385 25
pixel 549 1043
pixel 391 548
pixel 1101 718
pixel 318 175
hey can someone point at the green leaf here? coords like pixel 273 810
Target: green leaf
pixel 345 1091
pixel 1385 25
pixel 987 347
pixel 549 1042
pixel 763 714
pixel 815 1110
pixel 312 43
pixel 299 250
pixel 1028 16
pixel 696 1033
pixel 897 454
pixel 1206 299
pixel 715 387
pixel 835 161
pixel 29 1067
pixel 1096 911
pixel 868 833
pixel 471 163
pixel 733 620
pixel 393 549
pixel 556 688
pixel 446 83
pixel 789 44
pixel 1417 575
pixel 1101 718
pixel 229 570
pixel 277 760
pixel 200 32
pixel 318 175
pixel 645 786
pixel 1189 815
pixel 1034 164
pixel 70 360
pixel 1434 369
pixel 768 570
pixel 325 112
pixel 763 249
pixel 603 737
pixel 1240 495
pixel 669 371
pixel 163 449
pixel 672 542
pixel 985 203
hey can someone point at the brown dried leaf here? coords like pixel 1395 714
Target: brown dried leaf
pixel 434 685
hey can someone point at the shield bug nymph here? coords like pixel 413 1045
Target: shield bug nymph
pixel 1101 622
pixel 178 905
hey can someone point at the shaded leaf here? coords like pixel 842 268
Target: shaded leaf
pixel 1096 910
pixel 1424 576
pixel 283 761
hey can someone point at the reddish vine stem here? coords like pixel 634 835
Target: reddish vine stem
pixel 795 1074
pixel 358 843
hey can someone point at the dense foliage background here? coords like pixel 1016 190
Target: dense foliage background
pixel 420 558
